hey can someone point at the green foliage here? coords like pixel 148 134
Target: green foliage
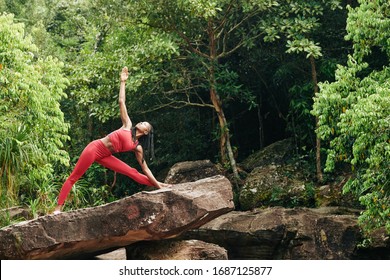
pixel 289 199
pixel 295 20
pixel 299 114
pixel 32 127
pixel 304 45
pixel 95 74
pixel 230 88
pixel 368 26
pixel 201 8
pixel 166 45
pixel 354 114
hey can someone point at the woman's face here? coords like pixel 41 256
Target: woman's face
pixel 144 127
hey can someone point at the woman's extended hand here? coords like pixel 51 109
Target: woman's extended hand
pixel 164 185
pixel 124 74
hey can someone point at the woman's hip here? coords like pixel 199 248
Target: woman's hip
pixel 97 150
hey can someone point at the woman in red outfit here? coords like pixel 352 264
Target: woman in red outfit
pixel 127 138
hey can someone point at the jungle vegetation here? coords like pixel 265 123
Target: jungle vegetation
pixel 219 79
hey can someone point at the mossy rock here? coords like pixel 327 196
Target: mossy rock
pixel 276 185
pixel 276 154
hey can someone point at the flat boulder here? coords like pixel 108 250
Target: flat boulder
pixel 155 215
pixel 280 233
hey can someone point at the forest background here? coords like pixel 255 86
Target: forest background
pixel 218 80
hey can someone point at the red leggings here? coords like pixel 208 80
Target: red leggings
pixel 96 151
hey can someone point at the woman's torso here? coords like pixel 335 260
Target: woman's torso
pixel 121 140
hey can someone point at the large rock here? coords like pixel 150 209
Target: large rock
pixel 155 215
pixel 333 195
pixel 175 250
pixel 15 213
pixel 189 171
pixel 277 177
pixel 277 153
pixel 276 185
pixel 279 233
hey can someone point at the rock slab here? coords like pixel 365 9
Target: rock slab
pixel 156 215
pixel 280 233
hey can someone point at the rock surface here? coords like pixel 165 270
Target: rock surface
pixel 189 171
pixel 275 185
pixel 275 154
pixel 119 254
pixel 175 250
pixel 155 215
pixel 274 180
pixel 15 213
pixel 279 233
pixel 277 177
pixel 333 195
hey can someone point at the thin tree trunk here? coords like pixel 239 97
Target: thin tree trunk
pixel 225 135
pixel 225 145
pixel 261 126
pixel 318 140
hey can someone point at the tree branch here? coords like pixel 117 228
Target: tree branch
pixel 176 104
pixel 189 44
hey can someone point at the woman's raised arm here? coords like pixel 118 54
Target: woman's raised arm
pixel 126 122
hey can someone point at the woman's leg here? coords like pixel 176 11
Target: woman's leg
pixel 119 166
pixel 86 159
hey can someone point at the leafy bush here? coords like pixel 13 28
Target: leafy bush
pixel 354 114
pixel 32 127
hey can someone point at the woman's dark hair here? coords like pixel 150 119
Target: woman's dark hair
pixel 147 143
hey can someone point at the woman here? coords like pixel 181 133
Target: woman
pixel 127 138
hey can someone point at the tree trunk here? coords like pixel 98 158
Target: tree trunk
pixel 261 125
pixel 225 135
pixel 225 145
pixel 318 140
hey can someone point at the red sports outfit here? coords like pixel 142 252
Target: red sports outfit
pixel 96 151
